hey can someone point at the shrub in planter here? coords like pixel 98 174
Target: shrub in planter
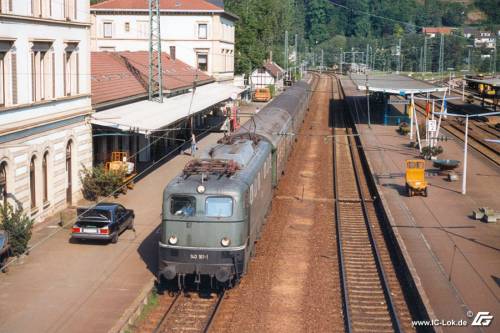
pixel 18 225
pixel 428 152
pixel 97 182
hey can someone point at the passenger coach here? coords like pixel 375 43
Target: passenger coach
pixel 214 211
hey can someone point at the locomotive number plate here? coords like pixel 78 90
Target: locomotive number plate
pixel 199 256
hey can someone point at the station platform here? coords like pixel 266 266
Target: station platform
pixel 454 258
pixel 88 287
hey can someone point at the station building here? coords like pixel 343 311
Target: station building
pixel 126 121
pixel 269 74
pixel 198 32
pixel 45 133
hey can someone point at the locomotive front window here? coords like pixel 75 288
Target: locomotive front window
pixel 219 207
pixel 182 206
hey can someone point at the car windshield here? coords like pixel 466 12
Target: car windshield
pixel 219 207
pixel 94 214
pixel 182 205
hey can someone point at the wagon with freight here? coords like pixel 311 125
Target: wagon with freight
pixel 213 212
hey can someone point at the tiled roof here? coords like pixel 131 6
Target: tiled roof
pixel 181 5
pixel 118 76
pixel 273 68
pixel 437 30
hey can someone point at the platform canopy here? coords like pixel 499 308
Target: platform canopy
pixel 146 116
pixel 393 84
pixel 494 82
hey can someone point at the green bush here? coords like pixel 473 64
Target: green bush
pixel 97 182
pixel 272 89
pixel 18 225
pixel 428 152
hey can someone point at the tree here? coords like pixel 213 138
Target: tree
pixel 18 225
pixel 97 182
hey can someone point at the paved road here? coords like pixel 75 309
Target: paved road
pixel 63 287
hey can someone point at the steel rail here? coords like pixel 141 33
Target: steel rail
pixel 165 315
pixel 343 275
pixel 169 314
pixel 392 309
pixel 211 318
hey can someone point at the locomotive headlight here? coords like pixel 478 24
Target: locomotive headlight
pixel 200 189
pixel 225 242
pixel 173 239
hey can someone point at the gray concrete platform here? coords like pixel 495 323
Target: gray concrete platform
pixel 455 258
pixel 86 287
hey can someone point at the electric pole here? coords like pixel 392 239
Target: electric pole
pixel 441 56
pixel 341 60
pixel 321 67
pixel 367 55
pixel 425 55
pixel 286 53
pixel 399 57
pixel 155 66
pixel 296 53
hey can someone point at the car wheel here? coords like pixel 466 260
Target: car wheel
pixel 114 240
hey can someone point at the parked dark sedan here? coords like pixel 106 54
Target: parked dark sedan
pixel 105 221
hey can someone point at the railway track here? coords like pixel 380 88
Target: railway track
pixel 190 312
pixel 372 294
pixel 478 132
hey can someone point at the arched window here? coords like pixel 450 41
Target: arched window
pixel 45 177
pixel 3 182
pixel 32 182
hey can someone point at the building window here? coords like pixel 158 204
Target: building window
pixel 45 177
pixel 127 26
pixel 71 71
pixel 32 182
pixel 5 6
pixel 70 9
pixel 3 75
pixel 142 29
pixel 202 31
pixel 3 182
pixel 107 28
pixel 202 61
pixel 172 52
pixel 42 72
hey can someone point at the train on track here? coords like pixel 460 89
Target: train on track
pixel 213 212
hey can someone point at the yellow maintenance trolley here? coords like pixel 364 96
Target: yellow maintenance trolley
pixel 415 178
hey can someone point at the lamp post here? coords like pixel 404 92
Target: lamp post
pixel 368 100
pixel 466 141
pixel 450 69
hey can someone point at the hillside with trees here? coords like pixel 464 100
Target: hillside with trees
pixel 347 24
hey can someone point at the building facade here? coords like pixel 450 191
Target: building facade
pixel 269 74
pixel 198 32
pixel 149 132
pixel 485 39
pixel 45 133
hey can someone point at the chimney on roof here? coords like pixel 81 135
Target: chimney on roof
pixel 271 56
pixel 172 53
